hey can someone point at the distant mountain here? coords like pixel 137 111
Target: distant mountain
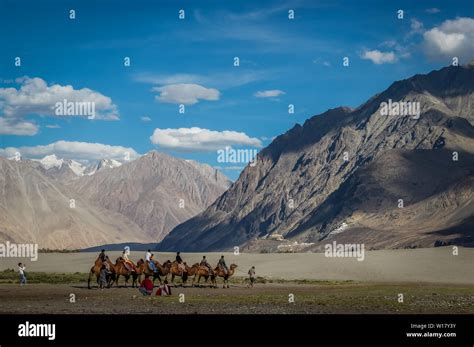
pixel 34 208
pixel 385 179
pixel 156 191
pixel 67 169
pixel 101 165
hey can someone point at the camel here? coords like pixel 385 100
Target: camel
pixel 176 271
pixel 163 270
pixel 95 270
pixel 119 269
pixel 220 273
pixel 203 271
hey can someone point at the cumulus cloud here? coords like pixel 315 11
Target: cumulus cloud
pixel 145 119
pixel 378 57
pixel 185 93
pixel 35 97
pixel 433 10
pixel 80 151
pixel 269 93
pixel 453 38
pixel 17 127
pixel 198 139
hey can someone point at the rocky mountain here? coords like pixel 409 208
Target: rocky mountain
pixel 103 164
pixel 156 191
pixel 402 178
pixel 59 168
pixel 35 208
pixel 67 169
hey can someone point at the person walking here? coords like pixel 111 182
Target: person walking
pixel 103 276
pixel 22 273
pixel 251 277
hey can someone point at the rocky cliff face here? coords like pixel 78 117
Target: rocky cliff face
pixel 387 180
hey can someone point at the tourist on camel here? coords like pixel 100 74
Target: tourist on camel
pixel 149 260
pixel 127 262
pixel 205 263
pixel 181 265
pixel 222 265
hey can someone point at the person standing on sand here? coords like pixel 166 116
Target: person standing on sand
pixel 251 277
pixel 103 277
pixel 22 273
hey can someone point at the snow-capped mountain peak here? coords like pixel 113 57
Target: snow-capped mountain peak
pixel 55 166
pixel 51 161
pixel 101 165
pixel 109 163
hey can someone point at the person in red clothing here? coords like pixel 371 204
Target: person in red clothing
pixel 164 290
pixel 146 287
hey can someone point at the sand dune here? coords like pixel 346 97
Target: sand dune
pixel 435 265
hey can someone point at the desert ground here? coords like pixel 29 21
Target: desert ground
pixel 431 281
pixel 430 265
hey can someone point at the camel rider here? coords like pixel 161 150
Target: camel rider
pixel 205 264
pixel 180 262
pixel 102 255
pixel 222 265
pixel 127 262
pixel 149 260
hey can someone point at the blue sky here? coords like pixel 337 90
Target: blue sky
pixel 190 61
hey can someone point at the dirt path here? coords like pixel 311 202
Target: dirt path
pixel 263 299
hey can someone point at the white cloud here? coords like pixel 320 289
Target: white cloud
pixel 219 79
pixel 17 127
pixel 53 126
pixel 416 27
pixel 453 38
pixel 269 93
pixel 378 57
pixel 185 93
pixel 145 119
pixel 197 139
pixel 35 97
pixel 80 151
pixel 433 10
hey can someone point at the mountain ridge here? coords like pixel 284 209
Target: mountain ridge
pixel 305 165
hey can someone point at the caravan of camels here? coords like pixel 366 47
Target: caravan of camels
pixel 125 267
